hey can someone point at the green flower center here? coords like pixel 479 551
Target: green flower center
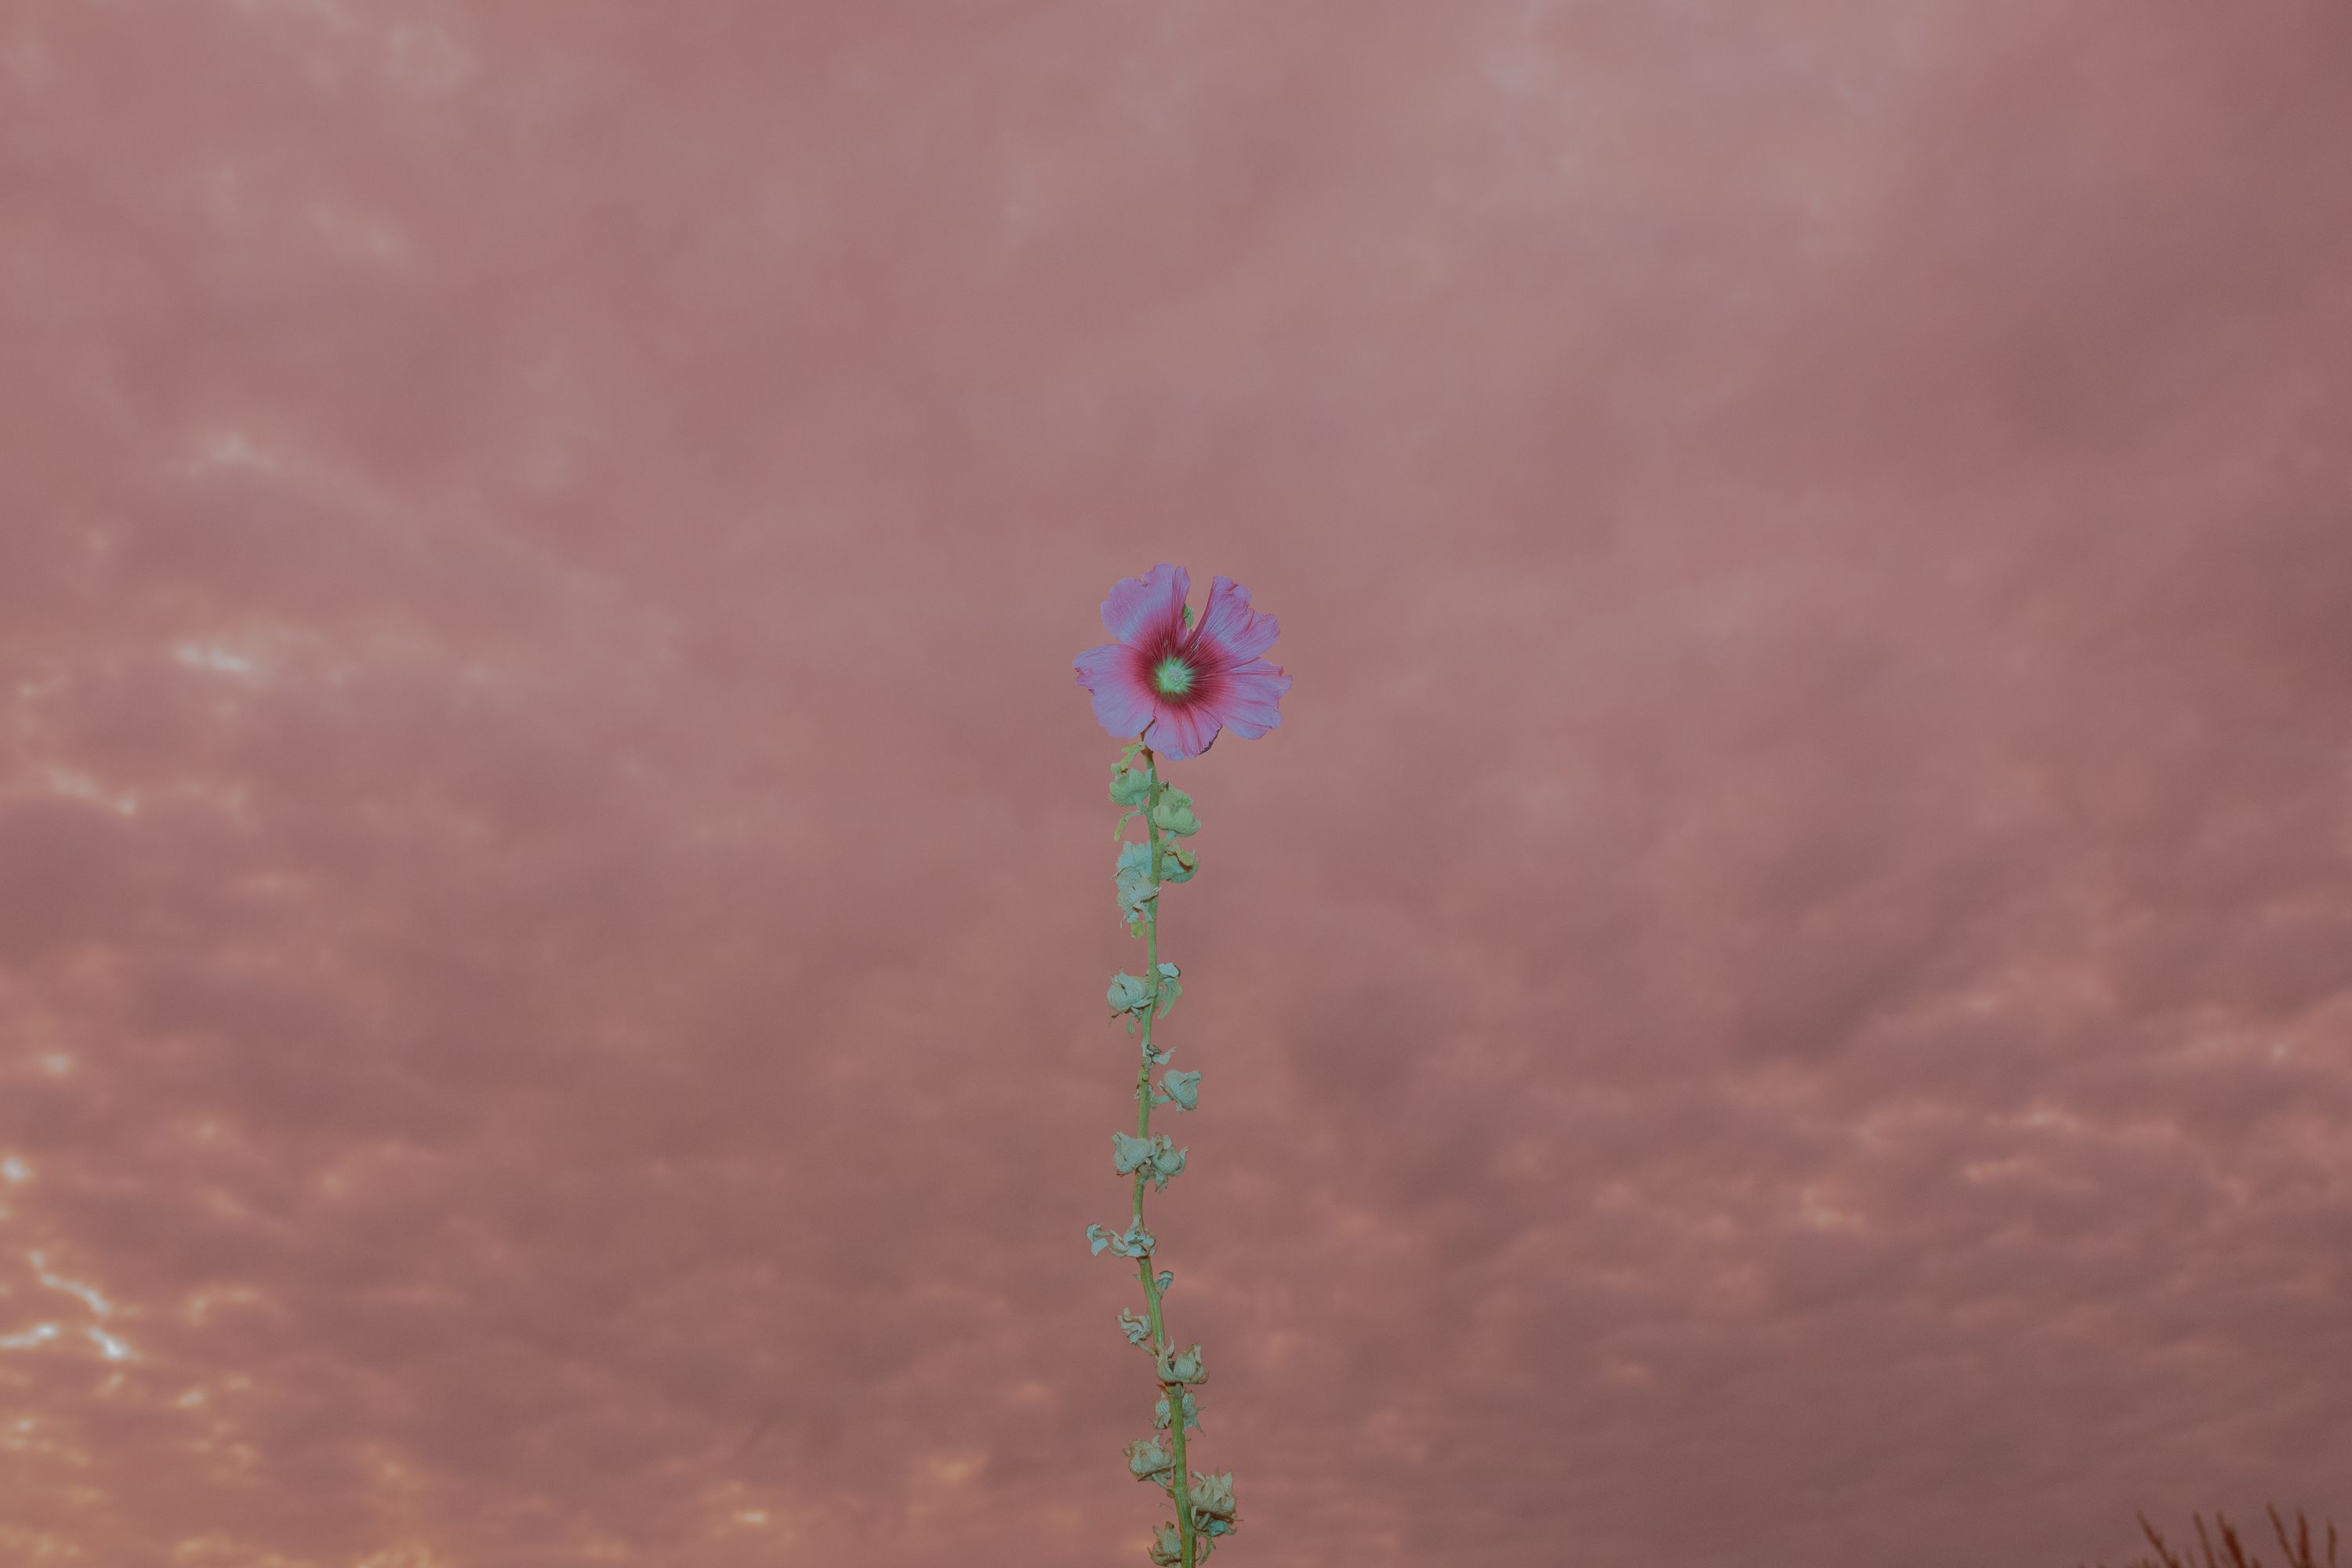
pixel 1174 677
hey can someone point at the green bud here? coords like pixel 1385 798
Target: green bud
pixel 1174 813
pixel 1129 993
pixel 1167 1547
pixel 1137 1326
pixel 1161 1415
pixel 1133 879
pixel 1183 1088
pixel 1128 1151
pixel 1130 786
pixel 1184 1366
pixel 1135 1243
pixel 1148 1461
pixel 1213 1503
pixel 1156 1156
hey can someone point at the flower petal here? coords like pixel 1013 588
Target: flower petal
pixel 1147 611
pixel 1181 732
pixel 1122 692
pixel 1246 700
pixel 1231 633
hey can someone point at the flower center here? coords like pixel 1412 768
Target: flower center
pixel 1174 677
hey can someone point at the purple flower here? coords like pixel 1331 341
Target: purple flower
pixel 1177 684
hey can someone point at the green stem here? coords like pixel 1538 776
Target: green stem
pixel 1145 1265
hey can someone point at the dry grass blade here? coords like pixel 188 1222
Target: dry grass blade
pixel 2162 1550
pixel 2298 1551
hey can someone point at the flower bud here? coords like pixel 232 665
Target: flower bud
pixel 1130 786
pixel 1157 1155
pixel 1183 1088
pixel 1162 1416
pixel 1133 879
pixel 1129 993
pixel 1213 1503
pixel 1183 1367
pixel 1149 1461
pixel 1137 1242
pixel 1174 813
pixel 1127 1152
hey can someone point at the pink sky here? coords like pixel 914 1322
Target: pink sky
pixel 1779 994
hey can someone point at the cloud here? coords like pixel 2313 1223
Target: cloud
pixel 1774 994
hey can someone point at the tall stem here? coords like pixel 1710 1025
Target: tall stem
pixel 1145 1265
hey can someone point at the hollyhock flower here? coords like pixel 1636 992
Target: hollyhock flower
pixel 1175 683
pixel 1173 686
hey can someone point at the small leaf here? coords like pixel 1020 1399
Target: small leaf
pixel 1167 969
pixel 1168 991
pixel 1137 1326
pixel 1177 864
pixel 1165 1281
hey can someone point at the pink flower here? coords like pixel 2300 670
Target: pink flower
pixel 1177 684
